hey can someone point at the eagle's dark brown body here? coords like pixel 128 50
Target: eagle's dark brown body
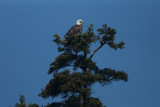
pixel 74 30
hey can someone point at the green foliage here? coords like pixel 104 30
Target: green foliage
pixel 23 104
pixel 75 51
pixel 75 88
pixel 66 82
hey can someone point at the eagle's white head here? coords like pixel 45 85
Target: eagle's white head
pixel 79 22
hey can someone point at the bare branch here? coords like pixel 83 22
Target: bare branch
pixel 96 50
pixel 99 40
pixel 70 65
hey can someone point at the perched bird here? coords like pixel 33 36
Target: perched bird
pixel 75 29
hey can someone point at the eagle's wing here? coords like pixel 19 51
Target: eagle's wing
pixel 74 30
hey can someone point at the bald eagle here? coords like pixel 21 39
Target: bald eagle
pixel 75 29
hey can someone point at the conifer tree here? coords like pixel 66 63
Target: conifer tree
pixel 74 71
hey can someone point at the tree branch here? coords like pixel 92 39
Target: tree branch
pixel 99 40
pixel 70 65
pixel 96 50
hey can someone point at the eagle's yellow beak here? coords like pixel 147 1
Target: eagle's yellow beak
pixel 81 21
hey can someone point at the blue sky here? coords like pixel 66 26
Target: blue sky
pixel 26 47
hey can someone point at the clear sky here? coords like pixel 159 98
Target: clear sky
pixel 26 47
